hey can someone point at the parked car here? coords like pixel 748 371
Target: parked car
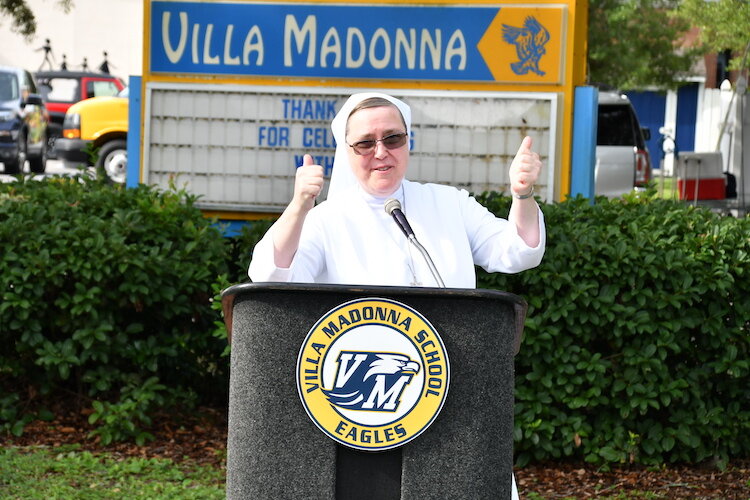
pixel 97 127
pixel 62 89
pixel 623 162
pixel 23 122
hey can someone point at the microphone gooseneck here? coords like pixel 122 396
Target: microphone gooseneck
pixel 393 208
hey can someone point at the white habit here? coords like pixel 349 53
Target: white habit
pixel 352 240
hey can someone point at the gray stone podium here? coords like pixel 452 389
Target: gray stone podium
pixel 275 451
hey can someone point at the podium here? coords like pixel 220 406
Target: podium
pixel 275 449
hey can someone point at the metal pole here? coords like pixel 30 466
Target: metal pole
pixel 697 181
pixel 742 89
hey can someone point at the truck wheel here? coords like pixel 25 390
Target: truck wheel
pixel 38 163
pixel 15 165
pixel 113 159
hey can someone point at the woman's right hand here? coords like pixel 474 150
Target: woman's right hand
pixel 308 183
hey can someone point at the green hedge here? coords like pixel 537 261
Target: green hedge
pixel 106 295
pixel 637 342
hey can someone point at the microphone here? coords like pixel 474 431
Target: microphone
pixel 393 208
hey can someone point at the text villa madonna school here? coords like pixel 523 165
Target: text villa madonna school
pixel 373 373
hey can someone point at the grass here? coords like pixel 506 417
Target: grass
pixel 666 186
pixel 68 473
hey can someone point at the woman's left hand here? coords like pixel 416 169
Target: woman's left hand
pixel 525 169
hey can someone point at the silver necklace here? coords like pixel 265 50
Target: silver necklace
pixel 410 263
pixel 399 241
pixel 414 281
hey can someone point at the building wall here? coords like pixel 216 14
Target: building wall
pixel 89 29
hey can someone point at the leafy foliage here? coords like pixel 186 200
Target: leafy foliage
pixel 23 19
pixel 636 349
pixel 106 295
pixel 241 247
pixel 240 253
pixel 723 25
pixel 637 340
pixel 633 44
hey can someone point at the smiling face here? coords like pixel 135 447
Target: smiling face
pixel 379 172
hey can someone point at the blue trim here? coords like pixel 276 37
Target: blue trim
pixel 687 108
pixel 230 228
pixel 583 157
pixel 650 107
pixel 134 132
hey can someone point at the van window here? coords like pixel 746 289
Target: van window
pixel 61 90
pixel 8 87
pixel 29 84
pixel 616 126
pixel 100 88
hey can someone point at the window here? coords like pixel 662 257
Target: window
pixel 28 83
pixel 8 87
pixel 99 88
pixel 615 126
pixel 60 90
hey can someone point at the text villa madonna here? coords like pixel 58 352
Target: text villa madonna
pixel 314 46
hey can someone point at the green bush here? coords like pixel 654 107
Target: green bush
pixel 239 254
pixel 637 340
pixel 106 294
pixel 636 348
pixel 241 248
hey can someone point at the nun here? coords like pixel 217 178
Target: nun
pixel 350 238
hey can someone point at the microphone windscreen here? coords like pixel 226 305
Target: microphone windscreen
pixel 392 204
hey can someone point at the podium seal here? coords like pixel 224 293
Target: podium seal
pixel 373 374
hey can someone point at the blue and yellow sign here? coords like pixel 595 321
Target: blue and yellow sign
pixel 373 374
pixel 532 48
pixel 351 41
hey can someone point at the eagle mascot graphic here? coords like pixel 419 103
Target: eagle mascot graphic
pixel 529 41
pixel 371 380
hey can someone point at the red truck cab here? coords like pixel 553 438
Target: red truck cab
pixel 61 89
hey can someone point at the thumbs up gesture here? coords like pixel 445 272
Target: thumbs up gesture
pixel 525 169
pixel 308 183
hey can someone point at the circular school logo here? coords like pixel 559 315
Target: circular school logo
pixel 373 374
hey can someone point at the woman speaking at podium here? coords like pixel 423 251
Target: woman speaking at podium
pixel 351 239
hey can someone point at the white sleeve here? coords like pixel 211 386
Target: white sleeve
pixel 495 243
pixel 262 267
pixel 306 265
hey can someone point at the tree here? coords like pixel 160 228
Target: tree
pixel 634 44
pixel 723 24
pixel 22 18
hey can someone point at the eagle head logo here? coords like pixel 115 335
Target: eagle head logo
pixel 371 380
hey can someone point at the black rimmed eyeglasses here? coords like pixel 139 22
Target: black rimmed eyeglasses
pixel 393 141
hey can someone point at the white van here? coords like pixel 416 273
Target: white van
pixel 622 159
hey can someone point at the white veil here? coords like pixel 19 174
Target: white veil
pixel 342 177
